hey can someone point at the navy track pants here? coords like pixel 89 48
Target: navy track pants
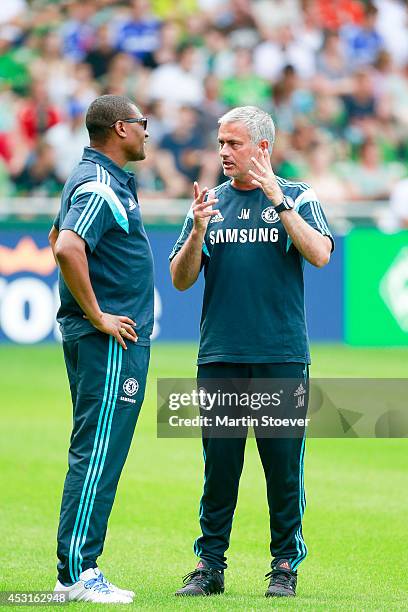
pixel 107 387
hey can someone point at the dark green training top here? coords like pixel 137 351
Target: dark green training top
pixel 99 203
pixel 253 307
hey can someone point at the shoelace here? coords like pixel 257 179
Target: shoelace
pixel 106 581
pixel 280 577
pixel 98 584
pixel 198 576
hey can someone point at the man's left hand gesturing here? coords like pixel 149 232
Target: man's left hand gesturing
pixel 264 177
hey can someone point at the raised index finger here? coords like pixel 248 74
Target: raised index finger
pixel 201 195
pixel 196 190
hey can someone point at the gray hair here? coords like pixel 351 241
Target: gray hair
pixel 259 123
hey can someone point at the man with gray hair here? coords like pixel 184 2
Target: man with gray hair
pixel 253 248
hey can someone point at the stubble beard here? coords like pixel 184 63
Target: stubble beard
pixel 237 175
pixel 139 155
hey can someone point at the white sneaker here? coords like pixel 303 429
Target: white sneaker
pixel 92 586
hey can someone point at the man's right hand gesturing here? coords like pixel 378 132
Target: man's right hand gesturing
pixel 202 208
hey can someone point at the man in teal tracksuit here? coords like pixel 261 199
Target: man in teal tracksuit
pixel 106 319
pixel 252 247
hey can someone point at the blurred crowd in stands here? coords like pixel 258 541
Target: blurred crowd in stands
pixel 333 74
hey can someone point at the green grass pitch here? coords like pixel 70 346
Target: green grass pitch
pixel 356 524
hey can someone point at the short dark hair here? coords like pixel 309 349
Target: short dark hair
pixel 104 111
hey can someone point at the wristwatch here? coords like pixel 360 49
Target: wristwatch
pixel 286 204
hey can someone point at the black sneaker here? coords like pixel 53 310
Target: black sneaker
pixel 282 580
pixel 204 580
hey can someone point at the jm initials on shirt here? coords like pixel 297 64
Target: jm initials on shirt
pixel 244 214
